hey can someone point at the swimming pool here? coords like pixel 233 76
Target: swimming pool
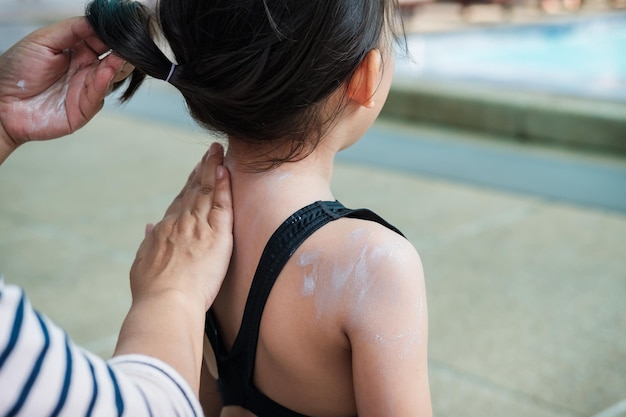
pixel 583 56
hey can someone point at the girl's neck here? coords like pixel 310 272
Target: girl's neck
pixel 291 185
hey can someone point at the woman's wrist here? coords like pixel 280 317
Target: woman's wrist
pixel 170 296
pixel 167 325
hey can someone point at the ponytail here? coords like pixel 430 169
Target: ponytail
pixel 128 28
pixel 259 71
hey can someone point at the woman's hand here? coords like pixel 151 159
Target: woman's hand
pixel 53 82
pixel 189 250
pixel 178 272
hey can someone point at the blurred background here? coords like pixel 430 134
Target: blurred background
pixel 501 153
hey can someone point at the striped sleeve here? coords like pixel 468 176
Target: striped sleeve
pixel 42 373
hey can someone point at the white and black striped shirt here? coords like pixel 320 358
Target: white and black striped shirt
pixel 42 373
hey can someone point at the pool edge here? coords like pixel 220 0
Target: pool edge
pixel 525 116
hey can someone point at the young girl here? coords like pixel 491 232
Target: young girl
pixel 323 310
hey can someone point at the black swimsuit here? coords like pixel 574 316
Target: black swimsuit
pixel 237 367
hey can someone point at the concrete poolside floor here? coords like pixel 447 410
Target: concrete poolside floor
pixel 526 293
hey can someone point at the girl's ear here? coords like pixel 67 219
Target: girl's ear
pixel 365 80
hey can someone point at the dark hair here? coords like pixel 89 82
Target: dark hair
pixel 257 70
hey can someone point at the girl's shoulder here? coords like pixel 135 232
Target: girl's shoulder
pixel 357 252
pixel 365 240
pixel 362 271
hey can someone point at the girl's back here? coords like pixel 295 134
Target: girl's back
pixel 341 290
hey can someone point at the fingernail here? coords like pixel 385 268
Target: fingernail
pixel 214 148
pixel 221 172
pixel 148 229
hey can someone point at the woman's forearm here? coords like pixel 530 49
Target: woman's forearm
pixel 43 372
pixel 168 326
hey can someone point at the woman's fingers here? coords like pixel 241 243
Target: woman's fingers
pixel 198 194
pixel 175 206
pixel 209 181
pixel 221 214
pixel 195 236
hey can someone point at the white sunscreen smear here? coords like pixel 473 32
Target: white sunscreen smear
pixel 310 263
pixel 333 281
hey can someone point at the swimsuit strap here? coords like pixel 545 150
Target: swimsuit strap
pixel 280 248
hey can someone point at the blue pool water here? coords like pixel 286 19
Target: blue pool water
pixel 583 56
